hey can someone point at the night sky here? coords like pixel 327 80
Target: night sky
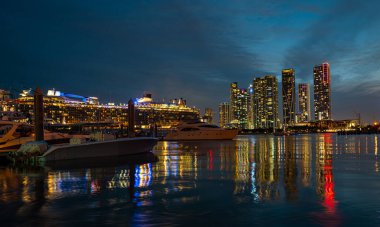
pixel 192 49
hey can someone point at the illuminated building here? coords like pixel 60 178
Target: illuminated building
pixel 242 108
pixel 250 107
pixel 5 102
pixel 234 93
pixel 4 95
pixel 304 103
pixel 63 108
pixel 224 114
pixel 238 106
pixel 288 96
pixel 322 92
pixel 208 116
pixel 265 104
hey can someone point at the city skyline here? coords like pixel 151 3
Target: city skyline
pixel 261 103
pixel 191 50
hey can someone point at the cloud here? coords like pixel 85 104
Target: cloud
pixel 346 36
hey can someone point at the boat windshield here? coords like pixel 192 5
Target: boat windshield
pixel 4 129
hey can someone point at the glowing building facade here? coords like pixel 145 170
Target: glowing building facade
pixel 4 95
pixel 224 114
pixel 208 116
pixel 250 107
pixel 239 99
pixel 303 103
pixel 322 92
pixel 234 93
pixel 288 96
pixel 242 107
pixel 265 104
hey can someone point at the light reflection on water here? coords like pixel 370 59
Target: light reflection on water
pixel 319 179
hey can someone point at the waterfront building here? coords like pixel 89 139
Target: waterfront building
pixel 242 107
pixel 224 114
pixel 239 99
pixel 322 92
pixel 63 108
pixel 250 107
pixel 6 103
pixel 234 93
pixel 208 116
pixel 4 95
pixel 303 103
pixel 265 102
pixel 288 96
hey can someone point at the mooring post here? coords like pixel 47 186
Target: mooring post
pixel 131 119
pixel 38 115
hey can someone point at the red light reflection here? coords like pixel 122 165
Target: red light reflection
pixel 211 164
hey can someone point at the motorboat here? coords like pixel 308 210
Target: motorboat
pixel 17 141
pixel 100 149
pixel 200 131
pixel 14 134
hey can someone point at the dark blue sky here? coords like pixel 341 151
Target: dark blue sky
pixel 193 49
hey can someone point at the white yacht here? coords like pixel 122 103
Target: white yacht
pixel 200 131
pixel 14 134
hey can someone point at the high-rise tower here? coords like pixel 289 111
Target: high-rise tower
pixel 322 92
pixel 250 107
pixel 265 104
pixel 234 93
pixel 304 103
pixel 208 116
pixel 224 114
pixel 243 100
pixel 288 96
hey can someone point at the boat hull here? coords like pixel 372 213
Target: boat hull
pixel 202 135
pixel 118 147
pixel 54 138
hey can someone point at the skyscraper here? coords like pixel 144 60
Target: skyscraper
pixel 224 114
pixel 208 116
pixel 322 92
pixel 288 96
pixel 234 92
pixel 304 102
pixel 238 106
pixel 265 104
pixel 250 124
pixel 242 117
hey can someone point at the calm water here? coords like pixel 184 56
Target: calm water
pixel 315 180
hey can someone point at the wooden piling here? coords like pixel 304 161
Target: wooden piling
pixel 38 115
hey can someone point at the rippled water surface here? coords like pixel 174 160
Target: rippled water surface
pixel 314 180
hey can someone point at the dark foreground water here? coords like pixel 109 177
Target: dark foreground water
pixel 305 180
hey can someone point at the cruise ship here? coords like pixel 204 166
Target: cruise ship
pixel 200 131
